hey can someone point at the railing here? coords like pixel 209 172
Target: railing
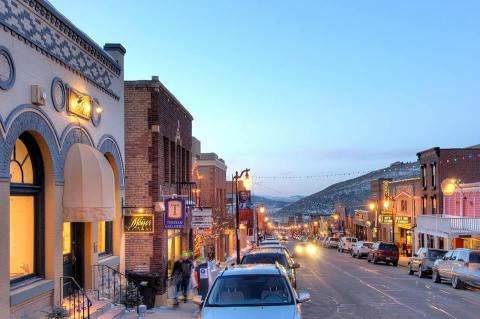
pixel 110 284
pixel 73 299
pixel 449 225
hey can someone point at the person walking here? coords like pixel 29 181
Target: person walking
pixel 177 278
pixel 187 267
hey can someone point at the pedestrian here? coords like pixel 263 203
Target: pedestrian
pixel 187 267
pixel 177 278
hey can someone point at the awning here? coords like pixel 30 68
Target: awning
pixel 88 192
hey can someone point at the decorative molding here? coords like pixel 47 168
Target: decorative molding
pixel 42 26
pixel 7 69
pixel 96 116
pixel 107 144
pixel 59 94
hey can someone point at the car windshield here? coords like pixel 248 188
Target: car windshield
pixel 368 245
pixel 435 254
pixel 388 247
pixel 474 258
pixel 333 239
pixel 265 259
pixel 250 290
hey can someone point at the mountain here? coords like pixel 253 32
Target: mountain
pixel 274 203
pixel 351 193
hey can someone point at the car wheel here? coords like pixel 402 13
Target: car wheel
pixel 410 270
pixel 457 283
pixel 375 260
pixel 436 277
pixel 358 255
pixel 368 258
pixel 421 273
pixel 395 263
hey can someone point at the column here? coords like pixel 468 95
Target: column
pixel 5 248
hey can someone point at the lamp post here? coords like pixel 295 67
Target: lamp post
pixel 261 210
pixel 373 208
pixel 247 183
pixel 386 205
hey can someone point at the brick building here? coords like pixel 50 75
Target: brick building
pixel 158 135
pixel 436 227
pixel 210 173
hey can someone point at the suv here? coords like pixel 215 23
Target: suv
pixel 382 251
pixel 331 242
pixel 255 291
pixel 361 249
pixel 423 261
pixel 461 266
pixel 346 243
pixel 272 257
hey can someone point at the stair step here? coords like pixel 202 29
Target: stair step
pixel 115 312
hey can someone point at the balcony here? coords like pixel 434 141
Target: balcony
pixel 444 225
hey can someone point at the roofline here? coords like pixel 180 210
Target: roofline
pixel 53 11
pixel 158 84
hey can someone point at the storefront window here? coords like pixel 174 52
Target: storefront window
pixel 174 247
pixel 27 233
pixel 104 237
pixel 22 231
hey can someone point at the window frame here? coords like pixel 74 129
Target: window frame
pixel 37 191
pixel 108 240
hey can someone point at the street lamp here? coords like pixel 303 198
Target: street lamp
pixel 247 183
pixel 386 205
pixel 261 210
pixel 373 208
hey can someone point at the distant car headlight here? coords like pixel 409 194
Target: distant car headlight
pixel 311 250
pixel 299 249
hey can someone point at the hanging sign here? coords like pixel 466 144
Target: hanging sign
pixel 202 218
pixel 385 219
pixel 79 104
pixel 175 213
pixel 138 223
pixel 402 220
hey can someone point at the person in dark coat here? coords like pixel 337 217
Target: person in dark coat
pixel 187 267
pixel 177 277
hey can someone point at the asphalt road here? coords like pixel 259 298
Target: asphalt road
pixel 344 287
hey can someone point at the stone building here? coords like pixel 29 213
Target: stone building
pixel 158 139
pixel 61 158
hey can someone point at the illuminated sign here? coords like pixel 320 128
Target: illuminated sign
pixel 79 104
pixel 175 213
pixel 402 220
pixel 138 223
pixel 385 219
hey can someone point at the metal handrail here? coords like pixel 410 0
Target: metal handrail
pixel 120 295
pixel 75 305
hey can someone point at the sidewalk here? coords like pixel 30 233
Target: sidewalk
pixel 184 311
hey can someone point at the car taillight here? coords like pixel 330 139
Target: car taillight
pixel 466 264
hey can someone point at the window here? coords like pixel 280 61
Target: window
pixel 166 158
pixel 434 204
pixel 424 204
pixel 403 205
pixel 67 238
pixel 27 222
pixel 434 174
pixel 424 176
pixel 105 237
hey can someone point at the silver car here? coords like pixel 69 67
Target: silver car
pixel 460 266
pixel 252 291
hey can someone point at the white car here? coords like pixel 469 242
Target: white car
pixel 346 243
pixel 361 249
pixel 269 242
pixel 252 291
pixel 332 242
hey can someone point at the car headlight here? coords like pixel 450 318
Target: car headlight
pixel 299 249
pixel 311 250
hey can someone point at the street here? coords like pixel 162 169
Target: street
pixel 344 287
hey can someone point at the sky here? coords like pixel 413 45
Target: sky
pixel 302 88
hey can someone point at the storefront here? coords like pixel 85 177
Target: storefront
pixel 61 149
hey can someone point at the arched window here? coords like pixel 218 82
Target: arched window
pixel 26 210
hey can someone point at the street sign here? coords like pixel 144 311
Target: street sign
pixel 202 231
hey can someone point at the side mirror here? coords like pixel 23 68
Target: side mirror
pixel 303 297
pixel 295 265
pixel 197 299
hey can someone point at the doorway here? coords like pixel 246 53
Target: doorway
pixel 73 256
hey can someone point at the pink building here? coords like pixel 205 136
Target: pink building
pixel 465 202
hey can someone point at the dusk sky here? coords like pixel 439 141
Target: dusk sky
pixel 296 88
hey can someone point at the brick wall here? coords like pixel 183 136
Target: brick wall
pixel 152 116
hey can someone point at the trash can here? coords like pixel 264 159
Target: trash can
pixel 203 280
pixel 147 283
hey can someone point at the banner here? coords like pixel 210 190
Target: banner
pixel 175 213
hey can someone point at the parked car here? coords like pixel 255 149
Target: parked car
pixel 271 257
pixel 345 244
pixel 423 260
pixel 383 251
pixel 361 249
pixel 332 242
pixel 269 242
pixel 252 291
pixel 460 266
